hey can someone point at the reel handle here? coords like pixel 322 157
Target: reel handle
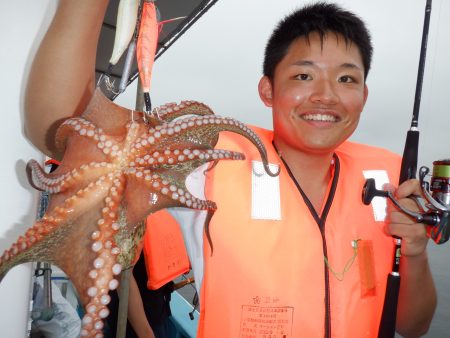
pixel 436 212
pixel 370 191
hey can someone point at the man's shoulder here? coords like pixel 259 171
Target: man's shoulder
pixel 364 151
pixel 356 157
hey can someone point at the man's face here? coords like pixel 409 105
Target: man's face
pixel 317 94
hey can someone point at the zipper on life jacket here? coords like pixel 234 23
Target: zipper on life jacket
pixel 320 220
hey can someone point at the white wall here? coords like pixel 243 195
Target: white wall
pixel 20 26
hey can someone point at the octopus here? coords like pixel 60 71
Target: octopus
pixel 118 166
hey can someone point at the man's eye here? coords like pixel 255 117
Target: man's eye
pixel 303 77
pixel 346 79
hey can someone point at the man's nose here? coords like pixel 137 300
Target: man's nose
pixel 324 92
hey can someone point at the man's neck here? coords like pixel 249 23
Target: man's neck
pixel 310 170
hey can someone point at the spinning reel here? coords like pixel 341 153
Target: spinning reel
pixel 435 210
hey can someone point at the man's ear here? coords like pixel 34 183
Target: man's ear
pixel 265 91
pixel 366 93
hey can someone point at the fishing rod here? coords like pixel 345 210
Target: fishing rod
pixel 408 171
pixel 434 206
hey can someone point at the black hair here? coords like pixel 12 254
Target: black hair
pixel 323 18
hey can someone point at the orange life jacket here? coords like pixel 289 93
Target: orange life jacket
pixel 268 277
pixel 164 251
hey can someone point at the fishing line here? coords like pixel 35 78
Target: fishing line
pixel 432 63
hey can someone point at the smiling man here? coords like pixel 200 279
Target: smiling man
pixel 300 255
pixel 297 255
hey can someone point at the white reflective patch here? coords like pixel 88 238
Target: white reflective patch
pixel 265 193
pixel 379 204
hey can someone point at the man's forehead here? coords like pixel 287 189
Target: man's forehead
pixel 313 40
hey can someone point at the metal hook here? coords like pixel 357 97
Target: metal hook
pixel 155 112
pixel 110 85
pixel 145 117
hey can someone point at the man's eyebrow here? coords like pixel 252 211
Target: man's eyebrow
pixel 303 63
pixel 350 65
pixel 311 63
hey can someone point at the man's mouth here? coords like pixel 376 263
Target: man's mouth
pixel 320 117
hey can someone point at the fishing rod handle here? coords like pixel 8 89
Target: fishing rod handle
pixel 387 323
pixel 409 163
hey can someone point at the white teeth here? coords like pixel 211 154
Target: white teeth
pixel 319 117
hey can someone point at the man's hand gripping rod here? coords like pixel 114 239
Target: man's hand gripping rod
pixel 435 212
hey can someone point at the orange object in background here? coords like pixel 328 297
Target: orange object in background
pixel 147 43
pixel 164 250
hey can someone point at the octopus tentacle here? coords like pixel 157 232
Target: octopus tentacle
pixel 82 200
pixel 172 111
pixel 11 256
pixel 42 181
pixel 81 127
pixel 161 134
pixel 61 213
pixel 53 183
pixel 170 189
pixel 169 156
pixel 104 265
pixel 198 130
pixel 109 145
